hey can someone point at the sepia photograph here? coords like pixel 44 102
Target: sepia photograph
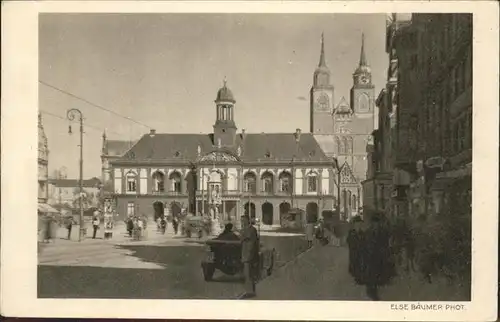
pixel 323 156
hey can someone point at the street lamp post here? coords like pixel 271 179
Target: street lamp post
pixel 72 114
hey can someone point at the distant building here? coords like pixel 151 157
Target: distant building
pixel 66 191
pixel 343 128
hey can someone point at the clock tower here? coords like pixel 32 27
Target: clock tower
pixel 363 91
pixel 321 97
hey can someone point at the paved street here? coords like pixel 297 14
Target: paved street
pixel 322 274
pixel 162 267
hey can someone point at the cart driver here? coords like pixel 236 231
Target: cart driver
pixel 228 233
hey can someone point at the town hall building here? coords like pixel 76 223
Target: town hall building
pixel 260 174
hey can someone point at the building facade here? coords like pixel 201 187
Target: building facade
pixel 43 169
pixel 66 191
pixel 425 115
pixel 443 130
pixel 234 172
pixel 344 129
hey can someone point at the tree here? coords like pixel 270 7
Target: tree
pixel 84 196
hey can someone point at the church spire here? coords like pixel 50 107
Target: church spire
pixel 322 62
pixel 362 56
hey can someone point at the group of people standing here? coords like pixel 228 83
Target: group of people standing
pixel 162 224
pixel 136 227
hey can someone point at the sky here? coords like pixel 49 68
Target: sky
pixel 164 71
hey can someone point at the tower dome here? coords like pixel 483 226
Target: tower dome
pixel 225 95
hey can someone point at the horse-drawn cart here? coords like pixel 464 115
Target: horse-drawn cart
pixel 225 255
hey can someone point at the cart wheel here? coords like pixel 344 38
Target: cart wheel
pixel 208 272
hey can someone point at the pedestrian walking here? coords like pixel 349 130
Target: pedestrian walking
pixel 355 243
pixel 140 228
pixel 249 255
pixel 175 224
pixel 95 224
pixel 130 226
pixel 163 225
pixel 69 226
pixel 48 230
pixel 309 234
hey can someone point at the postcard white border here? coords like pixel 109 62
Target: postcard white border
pixel 19 170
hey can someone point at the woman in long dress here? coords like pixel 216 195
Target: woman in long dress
pixel 309 234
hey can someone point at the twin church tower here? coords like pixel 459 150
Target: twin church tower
pixel 343 128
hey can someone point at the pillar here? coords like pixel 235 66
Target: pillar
pixel 304 182
pixel 150 182
pixel 258 188
pixel 238 213
pixel 167 181
pixel 224 215
pixel 276 182
pixel 320 182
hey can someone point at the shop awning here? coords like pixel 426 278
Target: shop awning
pixel 45 208
pixel 458 173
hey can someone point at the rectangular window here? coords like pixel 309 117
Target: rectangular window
pixel 131 184
pixel 312 184
pixel 285 185
pixel 250 186
pixel 131 209
pixel 267 185
pixel 177 186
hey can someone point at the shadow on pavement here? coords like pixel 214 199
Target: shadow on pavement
pixel 179 278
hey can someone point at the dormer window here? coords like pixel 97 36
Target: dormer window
pixel 268 154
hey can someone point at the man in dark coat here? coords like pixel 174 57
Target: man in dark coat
pixel 355 242
pixel 379 267
pixel 249 254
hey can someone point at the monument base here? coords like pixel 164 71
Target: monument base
pixel 216 229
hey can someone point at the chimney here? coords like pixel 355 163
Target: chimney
pixel 152 132
pixel 243 134
pixel 298 132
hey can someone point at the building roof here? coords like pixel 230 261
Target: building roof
pixel 363 63
pixel 250 147
pixel 72 183
pixel 118 148
pixel 327 143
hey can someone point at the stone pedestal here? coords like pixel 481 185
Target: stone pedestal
pixel 216 229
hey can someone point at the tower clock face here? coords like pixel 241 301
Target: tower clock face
pixel 322 104
pixel 363 79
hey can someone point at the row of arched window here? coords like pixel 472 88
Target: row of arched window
pixel 344 145
pixel 250 182
pixel 158 177
pixel 285 182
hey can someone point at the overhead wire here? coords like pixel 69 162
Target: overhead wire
pixel 84 124
pixel 92 104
